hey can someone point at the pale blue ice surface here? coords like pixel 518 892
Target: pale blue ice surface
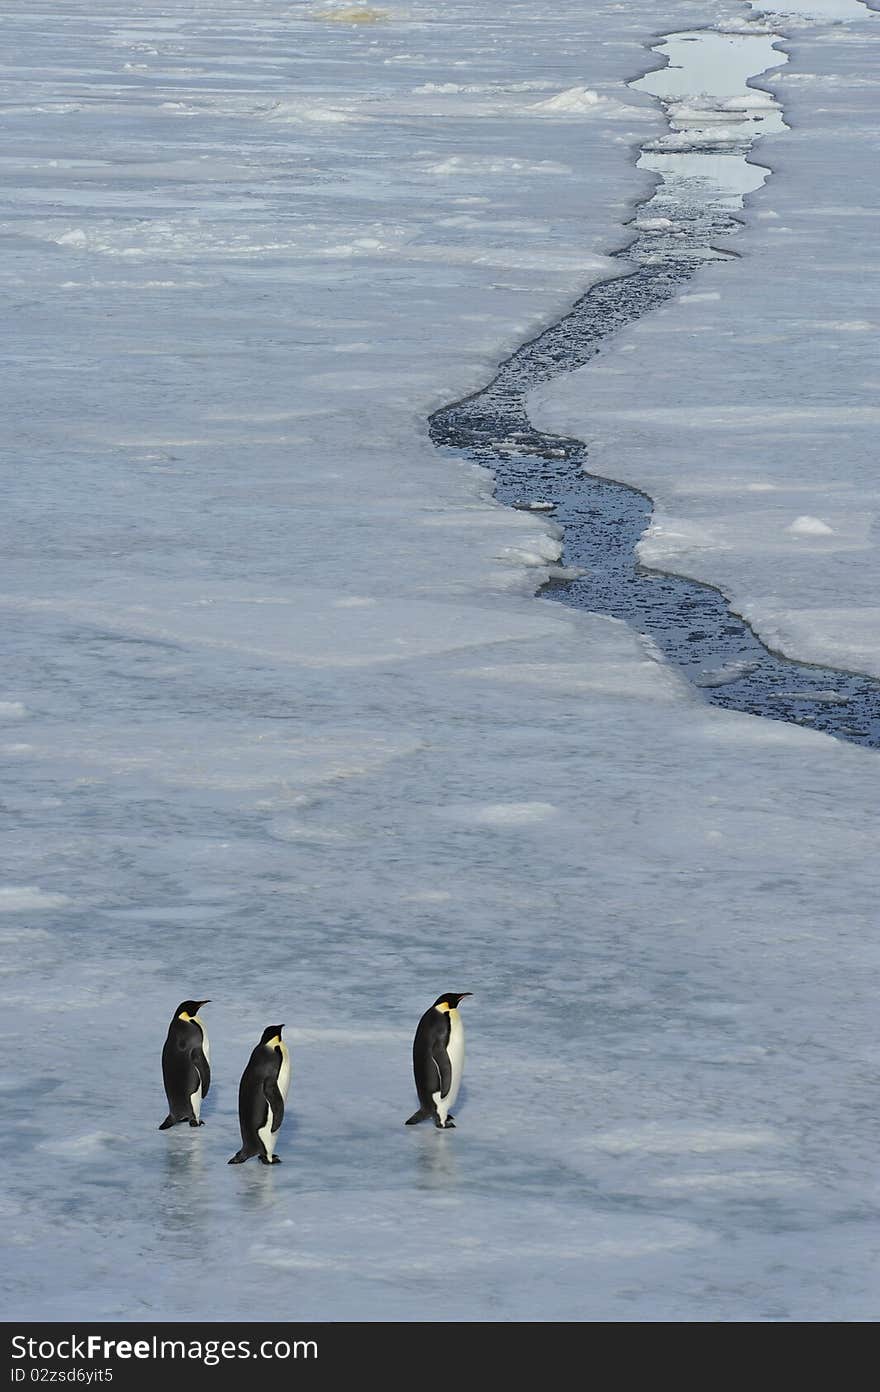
pixel 284 726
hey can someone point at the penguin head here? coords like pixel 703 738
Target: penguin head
pixel 272 1035
pixel 450 1000
pixel 187 1010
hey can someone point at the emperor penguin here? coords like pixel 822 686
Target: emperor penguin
pixel 262 1094
pixel 438 1060
pixel 186 1066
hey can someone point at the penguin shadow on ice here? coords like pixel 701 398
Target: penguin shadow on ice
pixel 184 1163
pixel 175 1204
pixel 438 1061
pixel 436 1168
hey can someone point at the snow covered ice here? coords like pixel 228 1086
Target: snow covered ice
pixel 284 724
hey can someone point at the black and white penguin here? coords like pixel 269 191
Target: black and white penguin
pixel 438 1060
pixel 262 1094
pixel 186 1065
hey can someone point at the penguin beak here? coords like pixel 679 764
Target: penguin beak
pixel 462 994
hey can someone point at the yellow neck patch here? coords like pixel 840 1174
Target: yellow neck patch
pixel 442 1007
pixel 183 1016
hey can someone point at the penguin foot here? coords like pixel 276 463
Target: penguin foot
pixel 276 1160
pixel 449 1124
pixel 239 1157
pixel 169 1121
pixel 197 1123
pixel 420 1115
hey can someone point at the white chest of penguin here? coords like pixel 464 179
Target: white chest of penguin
pixel 455 1050
pixel 284 1072
pixel 206 1047
pixel 196 1099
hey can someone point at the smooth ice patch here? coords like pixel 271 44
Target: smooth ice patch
pixel 22 898
pixel 511 813
pixel 482 165
pixel 624 674
pixel 352 14
pixel 681 1139
pixel 744 1182
pixel 88 1146
pixel 309 627
pixel 426 896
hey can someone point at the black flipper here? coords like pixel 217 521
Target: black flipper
pixel 203 1068
pixel 444 1067
pixel 272 1093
